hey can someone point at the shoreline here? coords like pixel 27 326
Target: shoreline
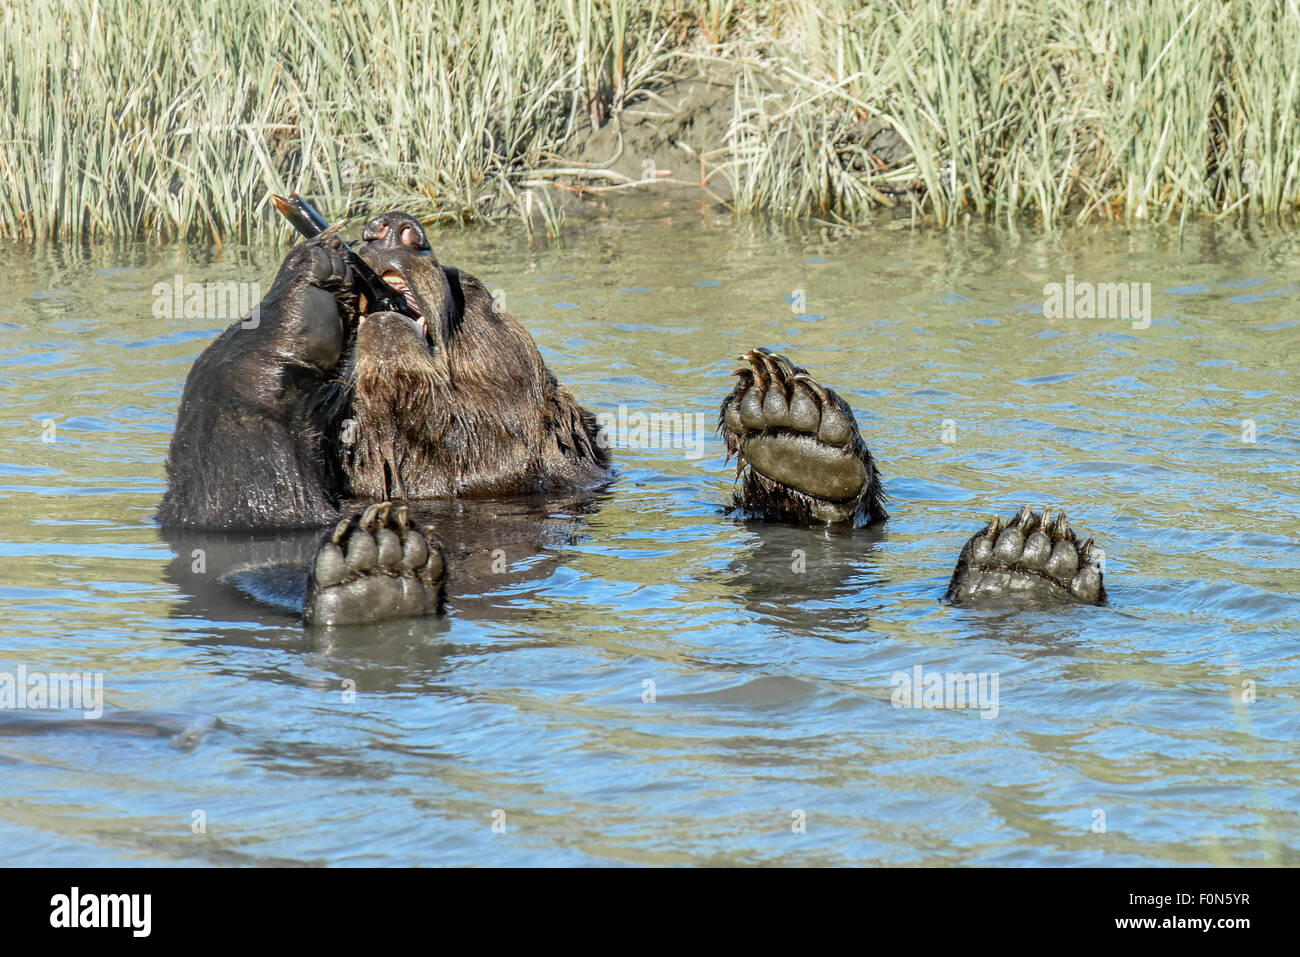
pixel 1037 115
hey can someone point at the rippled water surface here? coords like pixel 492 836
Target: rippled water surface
pixel 1160 729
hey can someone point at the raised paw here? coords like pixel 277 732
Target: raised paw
pixel 1031 554
pixel 375 567
pixel 798 451
pixel 320 262
pixel 311 306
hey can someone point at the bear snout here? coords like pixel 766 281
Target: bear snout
pixel 396 229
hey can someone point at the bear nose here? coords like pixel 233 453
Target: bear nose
pixel 396 228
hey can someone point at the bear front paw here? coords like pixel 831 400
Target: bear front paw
pixel 311 306
pixel 319 261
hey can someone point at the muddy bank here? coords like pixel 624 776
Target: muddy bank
pixel 677 146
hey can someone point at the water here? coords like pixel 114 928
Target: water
pixel 1123 735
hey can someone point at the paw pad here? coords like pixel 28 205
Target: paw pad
pixel 793 430
pixel 375 566
pixel 1032 552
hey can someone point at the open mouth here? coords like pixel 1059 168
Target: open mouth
pixel 397 283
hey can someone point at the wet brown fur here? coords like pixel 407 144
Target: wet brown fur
pixel 473 413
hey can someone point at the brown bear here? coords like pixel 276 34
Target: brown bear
pixel 458 402
pixel 309 408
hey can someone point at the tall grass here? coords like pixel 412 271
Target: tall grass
pixel 166 119
pixel 174 119
pixel 1057 109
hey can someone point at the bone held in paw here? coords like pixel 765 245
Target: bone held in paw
pixel 310 222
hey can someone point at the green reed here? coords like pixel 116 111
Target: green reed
pixel 175 119
pixel 1061 111
pixel 164 119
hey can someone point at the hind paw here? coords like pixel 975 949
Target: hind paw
pixel 1031 554
pixel 375 566
pixel 797 445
